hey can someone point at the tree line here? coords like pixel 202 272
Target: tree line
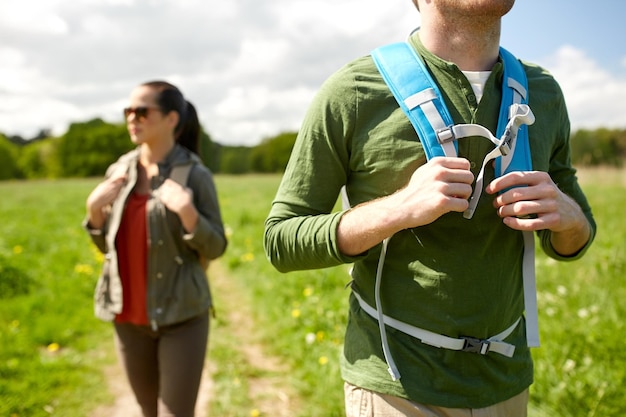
pixel 87 148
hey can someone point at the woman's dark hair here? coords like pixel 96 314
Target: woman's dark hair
pixel 169 98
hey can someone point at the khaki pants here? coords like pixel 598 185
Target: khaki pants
pixel 364 403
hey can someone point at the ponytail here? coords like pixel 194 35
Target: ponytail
pixel 169 98
pixel 188 129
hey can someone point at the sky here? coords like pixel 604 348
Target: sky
pixel 252 67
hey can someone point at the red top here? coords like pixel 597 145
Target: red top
pixel 132 255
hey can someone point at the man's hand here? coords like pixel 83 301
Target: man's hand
pixel 536 203
pixel 440 186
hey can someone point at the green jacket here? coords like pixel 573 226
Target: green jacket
pixel 455 277
pixel 177 284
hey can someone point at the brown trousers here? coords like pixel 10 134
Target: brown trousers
pixel 164 367
pixel 364 403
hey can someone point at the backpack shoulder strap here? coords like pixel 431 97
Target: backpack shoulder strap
pixel 514 91
pixel 417 94
pixel 421 100
pixel 180 173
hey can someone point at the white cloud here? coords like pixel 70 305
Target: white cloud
pixel 594 96
pixel 257 112
pixel 51 113
pixel 260 56
pixel 22 17
pixel 251 68
pixel 318 18
pixel 13 76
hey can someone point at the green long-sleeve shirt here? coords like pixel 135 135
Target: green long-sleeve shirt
pixel 455 276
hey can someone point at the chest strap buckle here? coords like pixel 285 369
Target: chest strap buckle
pixel 474 345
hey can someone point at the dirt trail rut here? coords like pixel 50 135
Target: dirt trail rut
pixel 270 394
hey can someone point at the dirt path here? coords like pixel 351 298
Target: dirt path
pixel 269 393
pixel 267 390
pixel 125 404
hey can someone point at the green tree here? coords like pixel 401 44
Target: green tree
pixel 37 159
pixel 273 154
pixel 234 160
pixel 599 147
pixel 209 151
pixel 87 149
pixel 8 167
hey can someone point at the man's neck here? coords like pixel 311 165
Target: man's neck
pixel 471 46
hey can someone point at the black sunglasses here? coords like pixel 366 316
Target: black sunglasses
pixel 140 112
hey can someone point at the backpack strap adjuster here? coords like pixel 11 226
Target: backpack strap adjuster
pixel 445 134
pixel 505 147
pixel 474 345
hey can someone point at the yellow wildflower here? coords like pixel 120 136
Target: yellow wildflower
pixel 247 257
pixel 83 269
pixel 97 255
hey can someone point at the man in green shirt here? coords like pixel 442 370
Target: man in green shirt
pixel 442 273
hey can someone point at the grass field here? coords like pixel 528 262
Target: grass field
pixel 53 351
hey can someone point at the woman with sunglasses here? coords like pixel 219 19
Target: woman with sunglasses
pixel 155 233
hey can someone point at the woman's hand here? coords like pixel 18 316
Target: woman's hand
pixel 179 200
pixel 101 198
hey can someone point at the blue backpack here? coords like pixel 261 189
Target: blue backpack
pixel 420 99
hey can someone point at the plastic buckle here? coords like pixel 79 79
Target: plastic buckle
pixel 505 143
pixel 474 345
pixel 445 134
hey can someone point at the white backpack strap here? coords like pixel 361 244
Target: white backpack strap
pixel 466 344
pixel 522 116
pixel 530 290
pixel 380 317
